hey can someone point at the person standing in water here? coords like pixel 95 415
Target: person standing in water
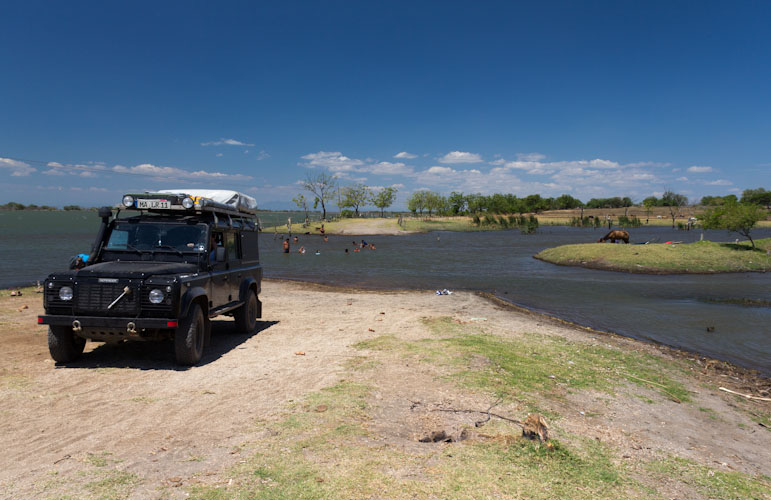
pixel 286 245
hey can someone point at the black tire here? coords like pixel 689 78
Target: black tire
pixel 246 315
pixel 189 337
pixel 63 344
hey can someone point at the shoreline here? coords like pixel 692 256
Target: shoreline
pixel 746 372
pixel 604 266
pixel 556 320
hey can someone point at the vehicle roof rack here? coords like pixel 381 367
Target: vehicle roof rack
pixel 190 201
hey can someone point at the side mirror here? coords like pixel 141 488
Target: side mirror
pixel 220 254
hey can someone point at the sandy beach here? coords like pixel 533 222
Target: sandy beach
pixel 125 422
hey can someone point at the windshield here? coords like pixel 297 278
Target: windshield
pixel 157 236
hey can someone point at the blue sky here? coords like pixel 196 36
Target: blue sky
pixel 614 98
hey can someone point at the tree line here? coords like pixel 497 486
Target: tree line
pixel 12 205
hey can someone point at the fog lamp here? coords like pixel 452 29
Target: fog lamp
pixel 187 203
pixel 128 201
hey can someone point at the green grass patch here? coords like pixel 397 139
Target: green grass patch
pixel 313 454
pixel 534 365
pixel 698 257
pixel 713 483
pixel 112 485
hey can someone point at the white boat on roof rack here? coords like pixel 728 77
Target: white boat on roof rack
pixel 210 200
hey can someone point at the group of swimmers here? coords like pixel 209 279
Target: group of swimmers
pixel 357 247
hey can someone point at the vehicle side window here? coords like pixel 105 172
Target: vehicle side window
pixel 231 246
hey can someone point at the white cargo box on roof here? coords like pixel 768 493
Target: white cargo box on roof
pixel 237 201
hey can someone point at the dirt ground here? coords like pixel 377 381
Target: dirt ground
pixel 130 406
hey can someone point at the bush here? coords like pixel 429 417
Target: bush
pixel 475 220
pixel 625 221
pixel 489 220
pixel 346 214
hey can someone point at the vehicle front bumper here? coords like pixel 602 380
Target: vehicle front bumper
pixel 105 322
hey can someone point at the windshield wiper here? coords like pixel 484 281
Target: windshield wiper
pixel 171 248
pixel 131 247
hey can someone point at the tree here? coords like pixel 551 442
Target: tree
pixel 417 202
pixel 457 203
pixel 675 202
pixel 649 203
pixel 323 186
pixel 757 196
pixel 302 203
pixel 735 217
pixel 384 198
pixel 566 202
pixel 355 196
pixel 434 202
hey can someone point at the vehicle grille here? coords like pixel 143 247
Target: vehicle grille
pixel 92 297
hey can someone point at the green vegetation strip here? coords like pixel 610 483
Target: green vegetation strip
pixel 710 482
pixel 699 257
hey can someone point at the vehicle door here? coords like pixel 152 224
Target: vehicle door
pixel 219 284
pixel 233 251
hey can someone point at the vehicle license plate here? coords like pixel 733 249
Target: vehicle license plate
pixel 153 204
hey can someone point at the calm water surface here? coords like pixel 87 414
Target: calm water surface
pixel 674 310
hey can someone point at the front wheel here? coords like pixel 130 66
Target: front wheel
pixel 246 315
pixel 189 337
pixel 63 344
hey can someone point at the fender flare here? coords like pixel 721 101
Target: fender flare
pixel 189 297
pixel 246 284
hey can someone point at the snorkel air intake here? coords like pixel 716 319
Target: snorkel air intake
pixel 105 213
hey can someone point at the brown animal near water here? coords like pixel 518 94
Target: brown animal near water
pixel 614 235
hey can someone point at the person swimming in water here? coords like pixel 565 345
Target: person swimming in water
pixel 286 245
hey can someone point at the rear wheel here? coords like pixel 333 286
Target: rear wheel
pixel 189 337
pixel 246 315
pixel 63 344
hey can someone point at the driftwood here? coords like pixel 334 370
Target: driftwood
pixel 534 426
pixel 748 396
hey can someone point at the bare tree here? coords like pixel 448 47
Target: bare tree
pixel 322 185
pixel 675 202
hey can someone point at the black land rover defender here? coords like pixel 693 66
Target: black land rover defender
pixel 160 273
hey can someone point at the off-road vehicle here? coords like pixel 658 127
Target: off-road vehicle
pixel 178 259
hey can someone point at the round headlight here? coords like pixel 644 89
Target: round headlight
pixel 156 296
pixel 128 201
pixel 65 293
pixel 187 203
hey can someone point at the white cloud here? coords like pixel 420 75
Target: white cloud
pixel 177 173
pixel 404 155
pixel 17 168
pixel 262 155
pixel 333 161
pixel 530 156
pixel 225 142
pixel 219 155
pixel 682 179
pixel 699 169
pixel 54 171
pixel 388 168
pixel 460 157
pixel 719 182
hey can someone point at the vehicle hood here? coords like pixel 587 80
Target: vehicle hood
pixel 135 269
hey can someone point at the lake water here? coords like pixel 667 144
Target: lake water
pixel 675 310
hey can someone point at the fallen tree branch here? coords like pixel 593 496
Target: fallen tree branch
pixel 507 419
pixel 748 396
pixel 660 386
